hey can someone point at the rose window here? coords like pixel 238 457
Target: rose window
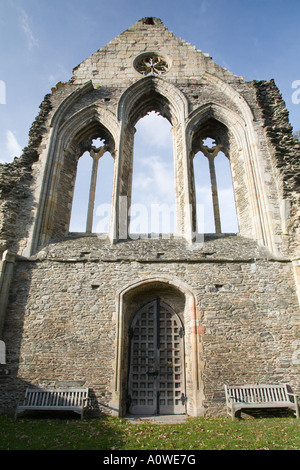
pixel 151 64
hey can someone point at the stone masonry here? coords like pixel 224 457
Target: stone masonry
pixel 68 301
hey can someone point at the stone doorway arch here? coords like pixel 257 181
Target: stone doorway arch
pixel 179 300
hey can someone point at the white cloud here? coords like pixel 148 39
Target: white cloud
pixel 153 203
pixel 153 178
pixel 12 146
pixel 25 24
pixel 154 181
pixel 155 130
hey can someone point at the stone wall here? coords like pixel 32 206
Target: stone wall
pixel 61 319
pixel 285 151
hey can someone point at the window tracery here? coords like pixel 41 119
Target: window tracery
pixel 151 64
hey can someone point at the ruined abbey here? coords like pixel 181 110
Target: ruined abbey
pixel 151 324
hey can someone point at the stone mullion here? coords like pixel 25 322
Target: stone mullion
pixel 121 198
pixel 214 192
pixel 211 154
pixel 89 222
pixel 96 157
pixel 184 199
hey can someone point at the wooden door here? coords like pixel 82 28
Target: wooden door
pixel 156 382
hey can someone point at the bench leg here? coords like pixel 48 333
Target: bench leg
pixel 235 414
pixel 297 407
pixel 232 412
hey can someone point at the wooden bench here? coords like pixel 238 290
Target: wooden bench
pixel 54 399
pixel 259 396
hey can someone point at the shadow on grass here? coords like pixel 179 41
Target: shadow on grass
pixel 59 431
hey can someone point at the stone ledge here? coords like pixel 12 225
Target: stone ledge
pixel 215 248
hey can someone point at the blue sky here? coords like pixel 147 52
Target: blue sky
pixel 41 41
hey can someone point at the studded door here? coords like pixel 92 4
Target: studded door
pixel 156 383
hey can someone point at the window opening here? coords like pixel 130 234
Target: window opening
pixel 149 20
pixel 203 194
pixel 153 193
pixel 214 189
pixel 81 194
pixel 226 194
pixel 93 190
pixel 103 195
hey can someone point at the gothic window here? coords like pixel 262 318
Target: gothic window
pixel 93 191
pixel 153 199
pixel 214 190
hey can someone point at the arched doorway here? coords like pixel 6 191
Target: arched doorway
pixel 156 376
pixel 166 298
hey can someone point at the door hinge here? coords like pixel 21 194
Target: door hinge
pixel 183 398
pixel 181 332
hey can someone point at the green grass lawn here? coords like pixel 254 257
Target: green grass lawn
pixel 109 433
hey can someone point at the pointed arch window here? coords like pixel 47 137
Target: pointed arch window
pixel 93 190
pixel 214 189
pixel 153 192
